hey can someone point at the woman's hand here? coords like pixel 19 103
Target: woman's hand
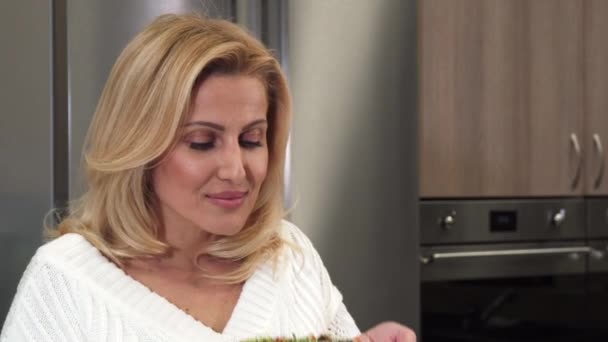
pixel 388 332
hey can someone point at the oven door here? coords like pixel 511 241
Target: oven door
pixel 514 292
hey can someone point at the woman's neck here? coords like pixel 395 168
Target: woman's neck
pixel 184 259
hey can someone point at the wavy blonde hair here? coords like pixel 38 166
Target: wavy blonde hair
pixel 144 103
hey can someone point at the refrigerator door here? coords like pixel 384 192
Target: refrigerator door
pixel 352 71
pixel 25 136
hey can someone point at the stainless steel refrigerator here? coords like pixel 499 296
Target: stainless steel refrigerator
pixel 351 172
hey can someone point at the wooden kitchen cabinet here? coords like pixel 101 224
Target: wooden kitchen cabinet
pixel 596 97
pixel 501 98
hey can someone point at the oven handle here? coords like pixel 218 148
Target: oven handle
pixel 505 252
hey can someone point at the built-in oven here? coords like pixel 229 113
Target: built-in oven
pixel 514 270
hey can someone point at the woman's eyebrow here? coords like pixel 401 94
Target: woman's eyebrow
pixel 255 123
pixel 222 128
pixel 207 124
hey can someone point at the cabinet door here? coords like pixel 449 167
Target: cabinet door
pixel 501 98
pixel 596 97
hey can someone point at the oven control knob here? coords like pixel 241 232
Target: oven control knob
pixel 448 221
pixel 558 218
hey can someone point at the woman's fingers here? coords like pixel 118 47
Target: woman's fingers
pixel 388 332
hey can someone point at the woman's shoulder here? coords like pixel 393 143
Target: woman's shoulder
pixel 300 253
pixel 56 260
pixel 291 232
pixel 69 255
pixel 295 238
pixel 68 247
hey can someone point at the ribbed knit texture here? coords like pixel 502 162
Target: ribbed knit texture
pixel 70 292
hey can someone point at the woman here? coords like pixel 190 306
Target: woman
pixel 179 236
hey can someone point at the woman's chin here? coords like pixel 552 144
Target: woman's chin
pixel 226 228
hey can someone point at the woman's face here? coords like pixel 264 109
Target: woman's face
pixel 212 179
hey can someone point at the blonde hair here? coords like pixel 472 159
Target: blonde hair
pixel 143 105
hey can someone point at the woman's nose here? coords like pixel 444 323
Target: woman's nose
pixel 231 166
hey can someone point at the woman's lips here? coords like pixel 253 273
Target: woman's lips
pixel 228 199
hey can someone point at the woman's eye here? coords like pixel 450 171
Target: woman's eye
pixel 201 146
pixel 200 140
pixel 251 139
pixel 250 144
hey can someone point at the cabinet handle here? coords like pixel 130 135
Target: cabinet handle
pixel 505 252
pixel 599 150
pixel 579 156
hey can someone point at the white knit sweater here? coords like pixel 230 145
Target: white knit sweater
pixel 70 292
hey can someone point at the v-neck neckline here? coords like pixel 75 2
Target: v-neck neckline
pixel 249 317
pixel 253 310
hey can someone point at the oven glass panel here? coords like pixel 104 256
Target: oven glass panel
pixel 550 308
